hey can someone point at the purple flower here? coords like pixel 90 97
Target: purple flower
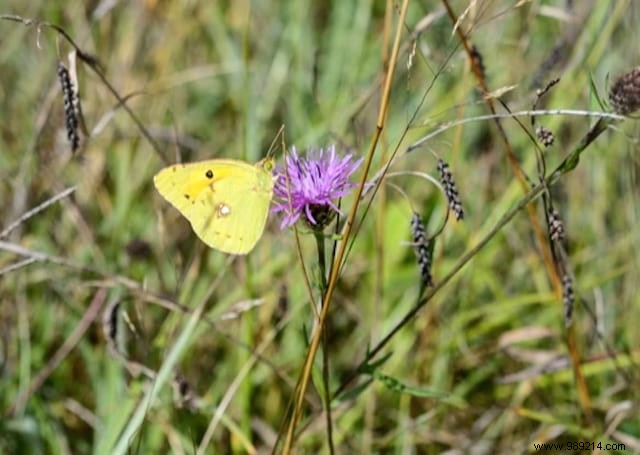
pixel 309 185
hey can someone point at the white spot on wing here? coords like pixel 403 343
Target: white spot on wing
pixel 223 210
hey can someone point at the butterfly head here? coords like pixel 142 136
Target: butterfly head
pixel 267 164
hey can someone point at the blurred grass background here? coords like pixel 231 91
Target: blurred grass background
pixel 484 367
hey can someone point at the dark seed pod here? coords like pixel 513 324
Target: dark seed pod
pixel 421 249
pixel 183 394
pixel 478 61
pixel 568 299
pixel 446 178
pixel 70 98
pixel 110 327
pixel 556 226
pixel 625 93
pixel 543 91
pixel 545 136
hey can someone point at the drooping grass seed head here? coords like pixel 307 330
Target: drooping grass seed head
pixel 449 184
pixel 421 248
pixel 70 99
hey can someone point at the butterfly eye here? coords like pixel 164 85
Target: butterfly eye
pixel 209 174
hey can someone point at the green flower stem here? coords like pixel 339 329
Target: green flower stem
pixel 326 396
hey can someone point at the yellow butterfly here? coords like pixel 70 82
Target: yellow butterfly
pixel 226 201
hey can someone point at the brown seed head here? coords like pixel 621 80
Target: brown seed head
pixel 545 136
pixel 625 93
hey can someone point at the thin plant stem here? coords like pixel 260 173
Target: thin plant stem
pixel 530 113
pixel 322 264
pixel 326 392
pixel 36 210
pixel 335 267
pixel 296 233
pixel 322 260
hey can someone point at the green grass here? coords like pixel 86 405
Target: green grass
pixel 218 79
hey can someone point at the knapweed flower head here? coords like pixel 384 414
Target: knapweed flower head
pixel 308 186
pixel 625 93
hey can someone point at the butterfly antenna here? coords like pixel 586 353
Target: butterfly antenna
pixel 273 145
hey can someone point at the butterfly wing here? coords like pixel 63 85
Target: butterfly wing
pixel 226 201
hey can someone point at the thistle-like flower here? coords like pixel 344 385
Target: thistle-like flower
pixel 308 186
